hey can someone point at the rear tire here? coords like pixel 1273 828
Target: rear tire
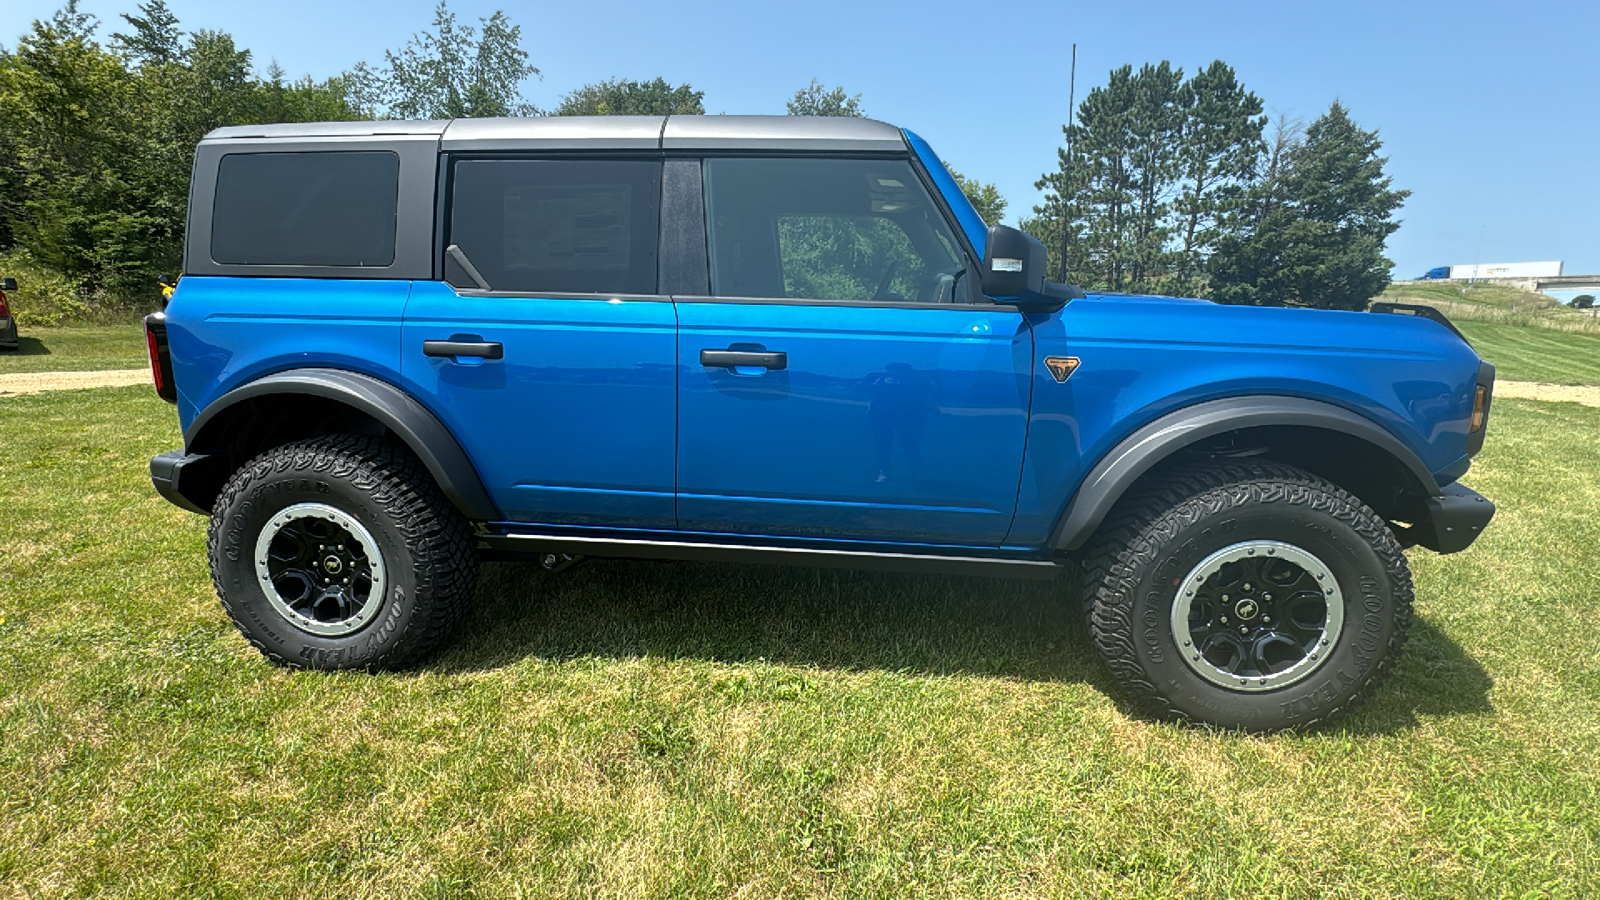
pixel 340 552
pixel 1247 595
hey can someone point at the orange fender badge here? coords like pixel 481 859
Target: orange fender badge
pixel 1061 367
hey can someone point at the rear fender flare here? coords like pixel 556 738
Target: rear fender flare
pixel 410 421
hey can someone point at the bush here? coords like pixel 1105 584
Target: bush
pixel 1583 301
pixel 45 297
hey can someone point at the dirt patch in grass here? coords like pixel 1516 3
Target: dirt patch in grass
pixel 1588 395
pixel 39 382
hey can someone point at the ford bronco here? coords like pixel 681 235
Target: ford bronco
pixel 400 347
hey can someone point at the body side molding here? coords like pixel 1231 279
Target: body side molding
pixel 1141 451
pixel 415 426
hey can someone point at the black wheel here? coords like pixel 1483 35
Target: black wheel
pixel 340 553
pixel 1250 596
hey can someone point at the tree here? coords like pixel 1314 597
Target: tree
pixel 1319 224
pixel 156 38
pixel 985 197
pixel 816 100
pixel 454 71
pixel 69 110
pixel 1583 301
pixel 1220 148
pixel 619 97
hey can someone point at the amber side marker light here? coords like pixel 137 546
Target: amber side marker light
pixel 1480 408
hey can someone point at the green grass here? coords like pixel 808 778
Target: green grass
pixel 77 349
pixel 1536 354
pixel 1495 304
pixel 671 730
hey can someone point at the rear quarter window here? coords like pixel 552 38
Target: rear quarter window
pixel 323 208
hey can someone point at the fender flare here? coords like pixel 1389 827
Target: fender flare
pixel 1139 452
pixel 416 427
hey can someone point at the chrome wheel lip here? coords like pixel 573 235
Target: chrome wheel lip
pixel 1333 623
pixel 376 596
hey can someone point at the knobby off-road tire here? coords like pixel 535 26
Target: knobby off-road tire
pixel 1271 540
pixel 368 563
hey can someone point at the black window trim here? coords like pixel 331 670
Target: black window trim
pixel 963 246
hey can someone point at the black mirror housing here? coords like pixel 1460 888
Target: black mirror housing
pixel 1014 265
pixel 8 284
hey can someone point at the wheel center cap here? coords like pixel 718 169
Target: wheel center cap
pixel 1246 609
pixel 332 565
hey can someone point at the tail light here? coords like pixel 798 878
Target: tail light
pixel 5 309
pixel 155 336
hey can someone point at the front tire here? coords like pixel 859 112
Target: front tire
pixel 340 552
pixel 1247 595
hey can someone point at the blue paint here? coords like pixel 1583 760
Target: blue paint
pixel 226 332
pixel 888 424
pixel 575 425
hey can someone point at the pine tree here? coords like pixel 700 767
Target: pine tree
pixel 1319 224
pixel 156 38
pixel 1221 146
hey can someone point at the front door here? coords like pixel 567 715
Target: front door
pixel 844 380
pixel 546 350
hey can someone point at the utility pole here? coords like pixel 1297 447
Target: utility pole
pixel 1072 99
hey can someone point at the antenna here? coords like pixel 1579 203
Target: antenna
pixel 1072 99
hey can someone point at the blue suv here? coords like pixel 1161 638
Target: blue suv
pixel 400 347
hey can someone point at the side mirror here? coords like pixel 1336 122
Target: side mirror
pixel 1014 264
pixel 8 284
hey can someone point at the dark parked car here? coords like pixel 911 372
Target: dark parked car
pixel 399 347
pixel 8 324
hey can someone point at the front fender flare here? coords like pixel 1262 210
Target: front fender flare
pixel 410 421
pixel 1139 452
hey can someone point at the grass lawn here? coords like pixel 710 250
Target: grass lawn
pixel 1536 354
pixel 669 730
pixel 77 349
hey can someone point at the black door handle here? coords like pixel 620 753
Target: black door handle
pixel 727 359
pixel 481 349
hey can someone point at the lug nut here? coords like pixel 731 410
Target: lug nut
pixel 1243 630
pixel 1247 585
pixel 1224 620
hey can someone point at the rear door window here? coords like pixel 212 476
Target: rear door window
pixel 556 226
pixel 324 208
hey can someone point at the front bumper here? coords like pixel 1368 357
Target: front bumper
pixel 1451 521
pixel 188 480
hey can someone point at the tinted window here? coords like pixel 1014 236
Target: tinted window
pixel 306 209
pixel 828 229
pixel 562 226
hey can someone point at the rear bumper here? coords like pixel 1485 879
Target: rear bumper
pixel 187 480
pixel 8 333
pixel 1452 520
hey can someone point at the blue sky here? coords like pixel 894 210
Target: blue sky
pixel 1490 113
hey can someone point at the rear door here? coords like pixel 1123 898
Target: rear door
pixel 842 379
pixel 546 349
